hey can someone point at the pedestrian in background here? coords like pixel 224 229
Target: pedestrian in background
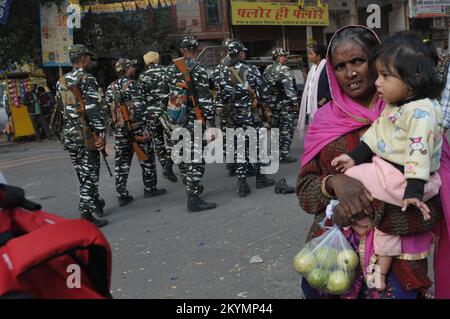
pixel 310 102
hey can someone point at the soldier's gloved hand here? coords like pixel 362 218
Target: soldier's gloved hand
pixel 146 135
pixel 100 144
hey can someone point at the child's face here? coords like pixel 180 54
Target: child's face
pixel 390 87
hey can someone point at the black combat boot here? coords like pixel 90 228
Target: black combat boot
pixel 97 222
pixel 168 172
pixel 125 199
pixel 99 205
pixel 287 159
pixel 154 193
pixel 242 187
pixel 195 204
pixel 231 170
pixel 262 181
pixel 100 202
pixel 251 171
pixel 201 188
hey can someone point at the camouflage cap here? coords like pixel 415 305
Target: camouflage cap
pixel 189 42
pixel 234 47
pixel 122 64
pixel 279 52
pixel 78 50
pixel 227 42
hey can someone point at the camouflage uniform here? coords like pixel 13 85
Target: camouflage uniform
pixel 191 173
pixel 283 97
pixel 128 91
pixel 86 162
pixel 225 116
pixel 151 81
pixel 234 90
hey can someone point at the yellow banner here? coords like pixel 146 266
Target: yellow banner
pixel 126 6
pixel 276 13
pixel 129 6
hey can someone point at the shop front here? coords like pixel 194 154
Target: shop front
pixel 264 25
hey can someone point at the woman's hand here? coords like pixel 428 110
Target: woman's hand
pixel 354 198
pixel 340 217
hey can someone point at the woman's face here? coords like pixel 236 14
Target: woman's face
pixel 313 57
pixel 351 67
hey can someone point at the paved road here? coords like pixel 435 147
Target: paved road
pixel 160 250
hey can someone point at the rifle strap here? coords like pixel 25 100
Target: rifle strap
pixel 63 84
pixel 115 111
pixel 236 75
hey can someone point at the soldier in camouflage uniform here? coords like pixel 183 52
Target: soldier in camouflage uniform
pixel 233 85
pixel 192 172
pixel 151 81
pixel 126 90
pixel 84 157
pixel 284 99
pixel 222 110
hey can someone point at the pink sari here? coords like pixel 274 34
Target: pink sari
pixel 342 116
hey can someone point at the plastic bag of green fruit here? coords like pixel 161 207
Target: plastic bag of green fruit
pixel 328 262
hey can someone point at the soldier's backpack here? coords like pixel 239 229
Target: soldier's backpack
pixel 179 104
pixel 67 98
pixel 260 112
pixel 275 85
pixel 46 256
pixel 177 109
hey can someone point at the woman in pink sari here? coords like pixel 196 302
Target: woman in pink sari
pixel 336 129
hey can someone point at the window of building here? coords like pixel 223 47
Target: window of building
pixel 212 11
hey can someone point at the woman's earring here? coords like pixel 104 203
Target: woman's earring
pixel 354 73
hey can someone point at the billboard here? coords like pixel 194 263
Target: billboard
pixel 56 37
pixel 277 13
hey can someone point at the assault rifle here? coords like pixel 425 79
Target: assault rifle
pixel 90 137
pixel 130 133
pixel 189 87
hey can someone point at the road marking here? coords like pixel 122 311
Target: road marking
pixel 30 160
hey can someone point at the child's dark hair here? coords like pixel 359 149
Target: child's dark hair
pixel 405 55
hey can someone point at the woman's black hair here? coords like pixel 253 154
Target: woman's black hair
pixel 319 50
pixel 406 56
pixel 358 35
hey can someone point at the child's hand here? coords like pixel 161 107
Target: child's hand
pixel 342 162
pixel 419 204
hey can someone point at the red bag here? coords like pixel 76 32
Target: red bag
pixel 39 252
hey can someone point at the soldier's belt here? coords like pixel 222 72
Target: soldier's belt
pixel 134 125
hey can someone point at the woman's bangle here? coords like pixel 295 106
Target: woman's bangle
pixel 324 187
